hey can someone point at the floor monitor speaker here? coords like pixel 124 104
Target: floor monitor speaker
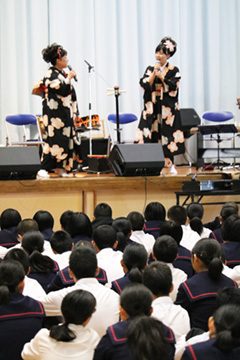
pixel 189 119
pixel 136 159
pixel 19 162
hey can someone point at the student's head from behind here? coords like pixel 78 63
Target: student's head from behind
pixel 61 242
pixel 230 229
pixel 134 261
pixel 173 229
pixel 136 219
pixel 83 262
pixel 177 213
pixel 135 300
pixel 26 225
pixel 228 209
pixel 19 255
pixel 225 326
pixel 123 229
pixel 11 279
pixel 195 210
pixel 104 236
pixel 165 249
pixel 102 210
pixel 9 218
pixel 155 211
pixel 64 218
pixel 33 241
pixel 79 224
pixel 157 277
pixel 206 256
pixel 77 308
pixel 44 219
pixel 228 295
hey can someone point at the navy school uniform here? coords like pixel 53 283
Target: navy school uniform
pixel 9 237
pixel 44 278
pixel 113 345
pixel 119 284
pixel 208 350
pixel 153 227
pixel 232 253
pixel 183 261
pixel 62 279
pixel 198 296
pixel 101 220
pixel 77 238
pixel 216 234
pixel 20 320
pixel 47 233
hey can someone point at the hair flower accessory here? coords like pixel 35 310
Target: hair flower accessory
pixel 169 45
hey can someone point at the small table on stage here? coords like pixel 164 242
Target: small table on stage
pixel 200 194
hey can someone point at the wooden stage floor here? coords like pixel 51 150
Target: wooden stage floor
pixel 84 191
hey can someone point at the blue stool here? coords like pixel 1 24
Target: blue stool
pixel 218 118
pixel 124 118
pixel 22 121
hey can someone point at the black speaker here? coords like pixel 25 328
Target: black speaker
pixel 189 119
pixel 19 162
pixel 136 159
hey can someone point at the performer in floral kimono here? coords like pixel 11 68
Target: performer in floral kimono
pixel 59 104
pixel 160 118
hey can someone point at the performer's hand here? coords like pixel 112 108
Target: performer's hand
pixel 72 74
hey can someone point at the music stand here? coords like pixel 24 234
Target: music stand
pixel 218 129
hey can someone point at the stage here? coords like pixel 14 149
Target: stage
pixel 124 194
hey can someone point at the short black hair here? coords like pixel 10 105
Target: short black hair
pixel 173 229
pixel 157 277
pixel 64 218
pixel 136 219
pixel 136 299
pixel 83 262
pixel 19 255
pixel 165 249
pixel 44 219
pixel 177 213
pixel 26 225
pixel 104 236
pixel 79 224
pixel 9 218
pixel 102 209
pixel 155 211
pixel 61 241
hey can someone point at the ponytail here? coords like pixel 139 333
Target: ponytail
pixel 62 333
pixel 41 263
pixel 196 225
pixel 145 338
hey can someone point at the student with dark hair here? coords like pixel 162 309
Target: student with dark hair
pixel 183 260
pixel 134 337
pixel 9 220
pixel 43 268
pixel 32 287
pixel 165 249
pixel 134 261
pixel 102 215
pixel 228 209
pixel 64 218
pixel 178 214
pixel 224 342
pixel 123 229
pixel 79 227
pixel 105 243
pixel 62 279
pixel 157 277
pixel 195 212
pixel 45 223
pixel 154 215
pixel 230 233
pixel 83 267
pixel 26 225
pixel 61 245
pixel 21 316
pixel 138 235
pixel 70 339
pixel 198 294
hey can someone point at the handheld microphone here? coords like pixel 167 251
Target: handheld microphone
pixel 70 68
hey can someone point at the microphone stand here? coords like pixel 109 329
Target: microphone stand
pixel 90 67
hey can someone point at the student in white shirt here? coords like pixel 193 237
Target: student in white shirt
pixel 71 339
pixel 157 277
pixel 138 235
pixel 83 267
pixel 109 259
pixel 165 249
pixel 61 245
pixel 195 214
pixel 179 214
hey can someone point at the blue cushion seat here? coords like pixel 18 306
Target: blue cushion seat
pixel 124 118
pixel 218 116
pixel 21 119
